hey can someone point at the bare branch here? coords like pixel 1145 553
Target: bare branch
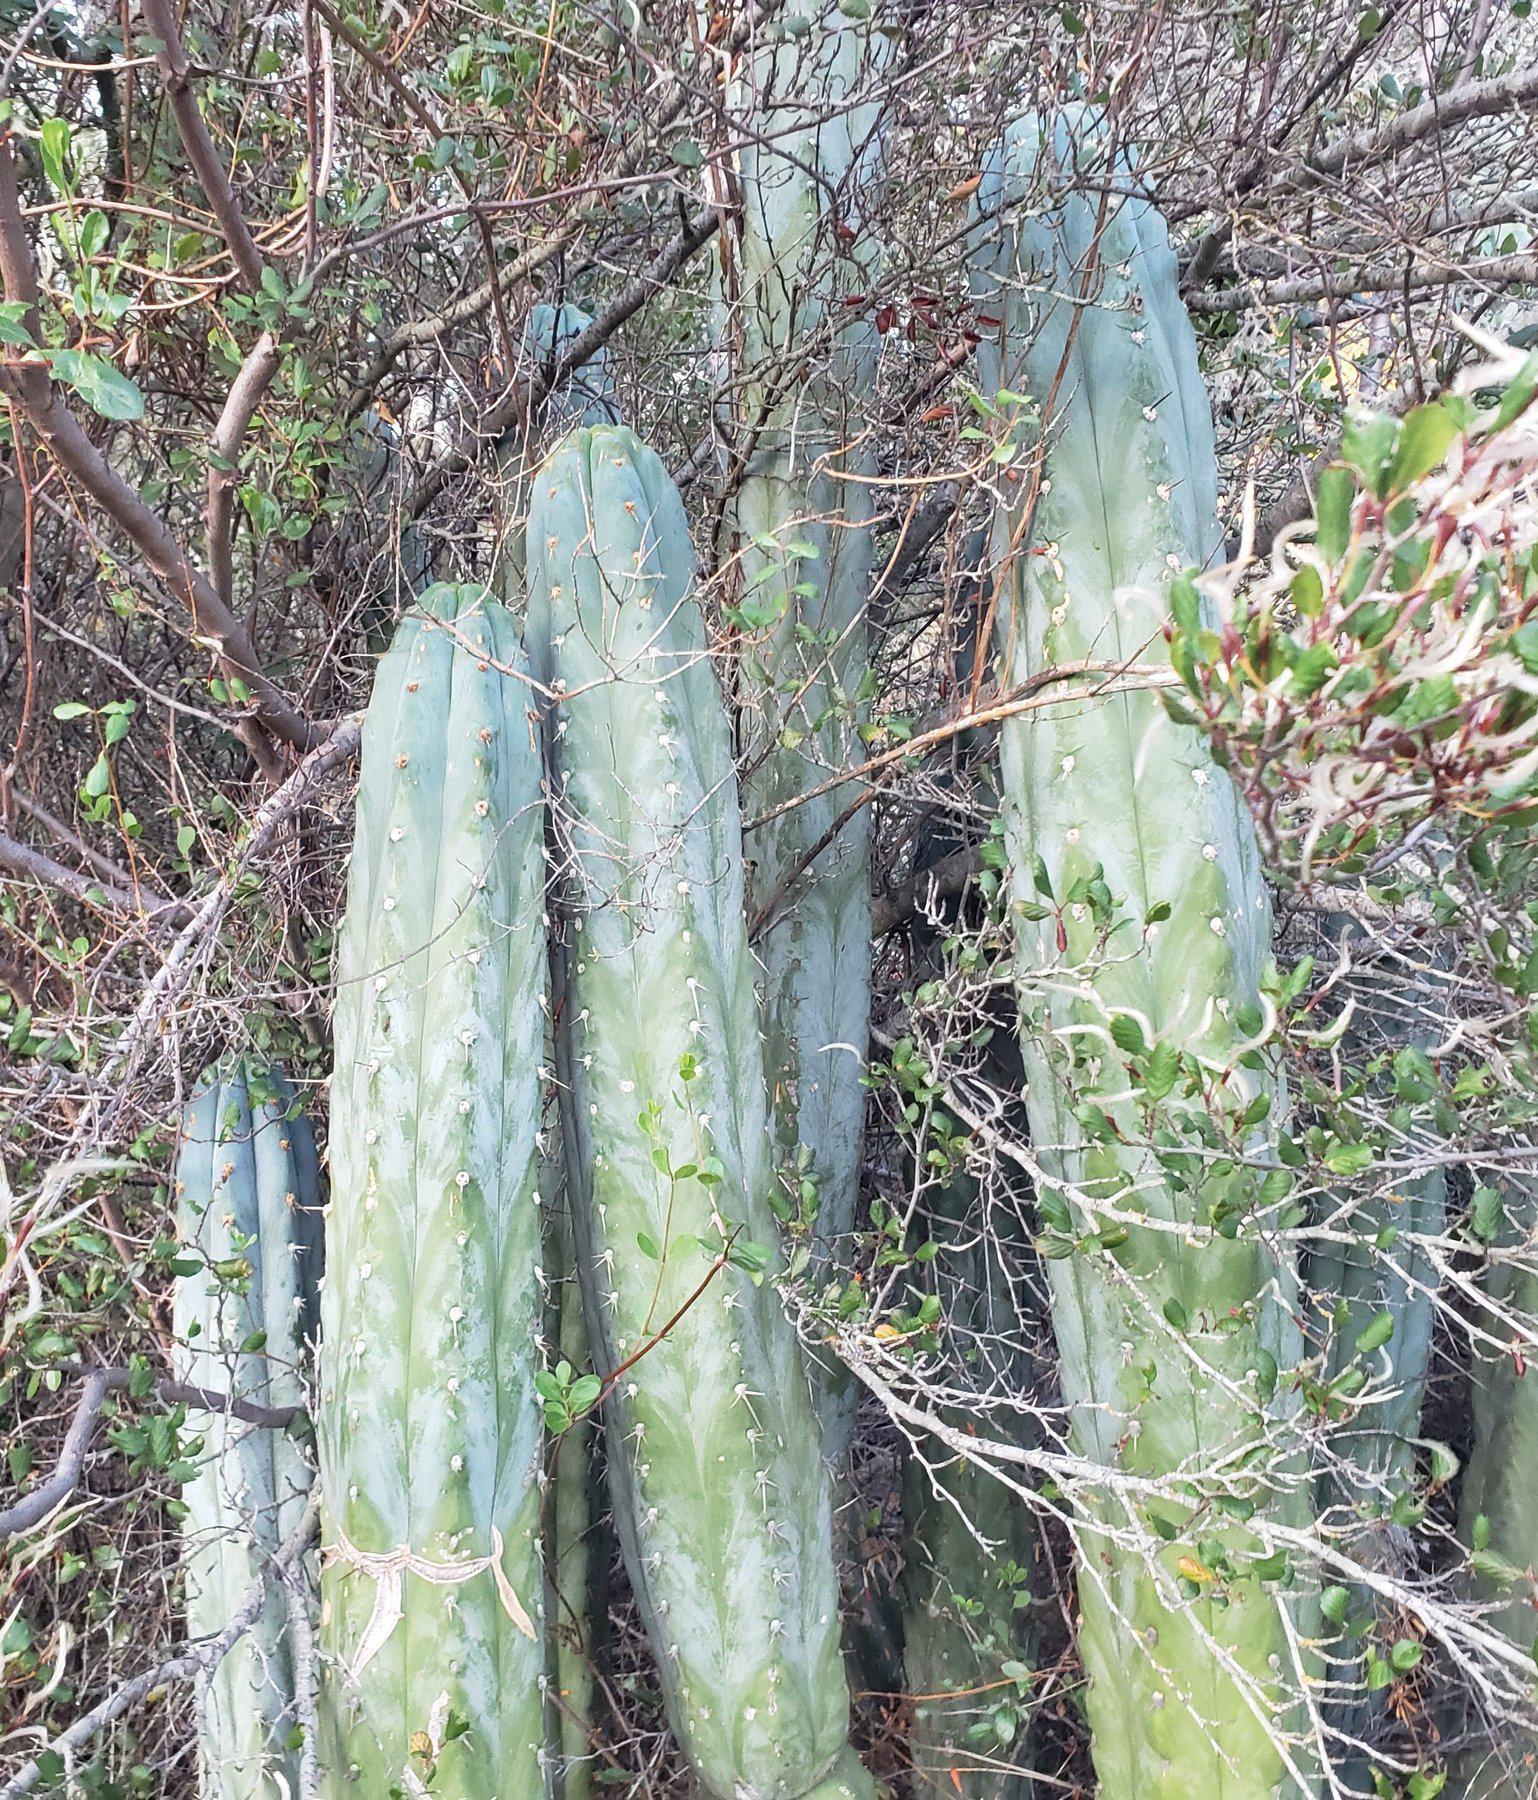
pixel 176 73
pixel 49 1495
pixel 196 1659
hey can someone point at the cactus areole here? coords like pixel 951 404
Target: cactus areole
pixel 1142 929
pixel 430 1427
pixel 248 1216
pixel 720 1494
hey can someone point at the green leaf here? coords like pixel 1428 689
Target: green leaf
pixel 1424 440
pixel 1308 591
pixel 1491 1566
pixel 584 1391
pixel 1162 1071
pixel 1176 1314
pixel 71 709
pixel 687 154
pixel 1185 603
pixel 1127 1034
pixel 1368 444
pixel 1337 491
pixel 1333 1603
pixel 94 232
pixel 1376 1335
pixel 1348 1159
pixel 53 145
pixel 1487 1213
pixel 106 390
pixel 13 328
pixel 98 779
pixel 1518 397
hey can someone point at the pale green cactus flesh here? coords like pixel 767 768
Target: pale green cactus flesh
pixel 1142 928
pixel 248 1215
pixel 720 1495
pixel 798 545
pixel 430 1428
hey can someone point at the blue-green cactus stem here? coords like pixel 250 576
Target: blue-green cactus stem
pixel 797 545
pixel 248 1216
pixel 720 1495
pixel 430 1427
pixel 1142 928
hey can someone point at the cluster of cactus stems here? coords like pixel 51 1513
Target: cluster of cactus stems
pixel 1142 928
pixel 248 1218
pixel 573 826
pixel 798 546
pixel 430 1429
pixel 720 1496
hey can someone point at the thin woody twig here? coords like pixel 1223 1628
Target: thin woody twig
pixel 1028 697
pixel 26 382
pixel 197 1659
pixel 34 1507
pixel 176 73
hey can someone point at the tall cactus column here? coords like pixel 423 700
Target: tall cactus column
pixel 719 1490
pixel 1499 1509
pixel 797 539
pixel 1142 928
pixel 430 1427
pixel 248 1215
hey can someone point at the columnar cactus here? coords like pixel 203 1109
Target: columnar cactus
pixel 430 1427
pixel 797 543
pixel 1499 1505
pixel 720 1496
pixel 248 1216
pixel 1142 931
pixel 1370 1270
pixel 1372 1262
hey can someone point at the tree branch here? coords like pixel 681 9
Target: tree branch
pixel 662 110
pixel 943 879
pixel 245 395
pixel 176 73
pixel 1380 278
pixel 48 1495
pixel 90 890
pixel 29 387
pixel 697 231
